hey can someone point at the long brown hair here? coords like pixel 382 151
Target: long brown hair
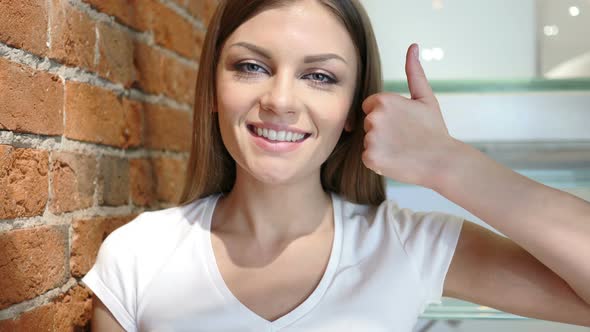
pixel 211 169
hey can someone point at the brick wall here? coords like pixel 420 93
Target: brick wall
pixel 95 108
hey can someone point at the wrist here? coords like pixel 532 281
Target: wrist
pixel 453 160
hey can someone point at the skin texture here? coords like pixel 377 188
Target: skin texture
pixel 102 318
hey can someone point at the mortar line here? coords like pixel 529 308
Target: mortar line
pixel 96 46
pixel 59 143
pixel 79 75
pixel 66 218
pixel 99 181
pixel 49 182
pixel 142 36
pixel 184 14
pixel 39 301
pixel 49 7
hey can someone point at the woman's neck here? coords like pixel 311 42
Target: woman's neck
pixel 271 214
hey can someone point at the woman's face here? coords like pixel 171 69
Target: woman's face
pixel 285 83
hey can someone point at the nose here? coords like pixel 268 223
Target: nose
pixel 280 96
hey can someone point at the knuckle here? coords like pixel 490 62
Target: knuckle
pixel 366 142
pixel 383 98
pixel 371 139
pixel 388 98
pixel 366 159
pixel 369 122
pixel 367 126
pixel 369 160
pixel 372 118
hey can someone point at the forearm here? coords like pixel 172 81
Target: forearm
pixel 553 226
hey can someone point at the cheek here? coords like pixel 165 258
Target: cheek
pixel 228 110
pixel 229 99
pixel 333 115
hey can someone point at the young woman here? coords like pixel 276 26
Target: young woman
pixel 285 224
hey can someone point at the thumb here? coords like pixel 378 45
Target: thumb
pixel 417 81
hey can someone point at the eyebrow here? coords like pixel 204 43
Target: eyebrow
pixel 307 59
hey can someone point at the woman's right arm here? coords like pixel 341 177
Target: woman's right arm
pixel 102 319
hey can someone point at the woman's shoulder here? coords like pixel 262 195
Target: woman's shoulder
pixel 353 210
pixel 162 226
pixel 390 213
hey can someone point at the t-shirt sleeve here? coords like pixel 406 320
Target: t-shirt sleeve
pixel 430 240
pixel 112 278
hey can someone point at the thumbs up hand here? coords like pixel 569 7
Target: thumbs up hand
pixel 406 139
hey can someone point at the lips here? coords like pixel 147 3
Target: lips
pixel 286 135
pixel 277 127
pixel 274 147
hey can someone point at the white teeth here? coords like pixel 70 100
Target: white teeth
pixel 279 136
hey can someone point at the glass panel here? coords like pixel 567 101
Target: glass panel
pixel 457 309
pixel 494 325
pixel 468 44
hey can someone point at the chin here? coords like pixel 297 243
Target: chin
pixel 275 178
pixel 273 175
pixel 276 172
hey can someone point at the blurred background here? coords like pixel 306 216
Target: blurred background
pixel 501 39
pixel 513 80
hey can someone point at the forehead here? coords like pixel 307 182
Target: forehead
pixel 303 27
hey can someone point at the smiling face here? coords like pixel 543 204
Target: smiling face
pixel 285 84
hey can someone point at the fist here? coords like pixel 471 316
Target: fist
pixel 405 139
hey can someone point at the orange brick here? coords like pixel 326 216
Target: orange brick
pixel 170 175
pixel 97 115
pixel 73 35
pixel 160 74
pixel 88 235
pixel 72 178
pixel 133 13
pixel 174 32
pixel 149 64
pixel 141 181
pixel 202 9
pixel 116 55
pixel 30 101
pixel 32 262
pixel 114 178
pixel 71 311
pixel 167 129
pixel 181 3
pixel 180 81
pixel 23 179
pixel 23 24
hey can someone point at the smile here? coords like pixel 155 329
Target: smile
pixel 278 136
pixel 273 141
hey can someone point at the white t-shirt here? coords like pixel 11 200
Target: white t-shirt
pixel 158 272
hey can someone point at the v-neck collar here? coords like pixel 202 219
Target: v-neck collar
pixel 307 305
